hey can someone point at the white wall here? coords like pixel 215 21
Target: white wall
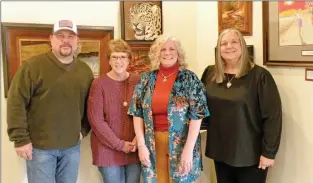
pixel 195 24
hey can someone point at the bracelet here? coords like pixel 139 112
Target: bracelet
pixel 141 145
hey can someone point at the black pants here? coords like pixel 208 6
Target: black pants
pixel 229 174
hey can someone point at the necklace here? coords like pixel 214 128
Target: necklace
pixel 125 103
pixel 165 77
pixel 228 85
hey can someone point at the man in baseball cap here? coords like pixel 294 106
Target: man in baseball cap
pixel 46 109
pixel 64 39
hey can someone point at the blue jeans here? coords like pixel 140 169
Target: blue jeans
pixel 121 174
pixel 54 166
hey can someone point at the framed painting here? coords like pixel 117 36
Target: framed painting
pixel 235 14
pixel 287 33
pixel 23 41
pixel 141 21
pixel 140 62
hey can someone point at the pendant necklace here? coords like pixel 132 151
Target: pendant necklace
pixel 165 77
pixel 125 103
pixel 228 84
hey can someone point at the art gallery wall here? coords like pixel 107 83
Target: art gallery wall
pixel 195 24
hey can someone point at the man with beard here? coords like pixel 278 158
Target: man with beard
pixel 46 109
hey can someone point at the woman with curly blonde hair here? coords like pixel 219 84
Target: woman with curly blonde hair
pixel 155 51
pixel 167 107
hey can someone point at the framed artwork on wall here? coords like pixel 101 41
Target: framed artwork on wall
pixel 22 41
pixel 235 14
pixel 287 33
pixel 140 62
pixel 141 21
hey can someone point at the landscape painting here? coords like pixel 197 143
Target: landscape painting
pixel 284 43
pixel 33 47
pixel 236 15
pixel 295 23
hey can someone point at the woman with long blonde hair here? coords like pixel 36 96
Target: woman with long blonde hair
pixel 244 127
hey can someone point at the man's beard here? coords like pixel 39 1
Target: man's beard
pixel 66 53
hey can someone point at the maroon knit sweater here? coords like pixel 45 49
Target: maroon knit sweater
pixel 110 124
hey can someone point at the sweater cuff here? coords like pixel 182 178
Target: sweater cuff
pixel 21 143
pixel 268 155
pixel 120 145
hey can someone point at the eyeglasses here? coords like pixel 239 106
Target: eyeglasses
pixel 115 58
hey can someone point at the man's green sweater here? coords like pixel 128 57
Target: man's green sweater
pixel 46 104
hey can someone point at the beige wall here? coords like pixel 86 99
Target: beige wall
pixel 195 24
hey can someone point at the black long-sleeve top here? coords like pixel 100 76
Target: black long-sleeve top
pixel 246 119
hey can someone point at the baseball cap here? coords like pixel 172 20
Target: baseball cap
pixel 65 25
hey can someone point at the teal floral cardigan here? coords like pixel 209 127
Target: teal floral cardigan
pixel 187 101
